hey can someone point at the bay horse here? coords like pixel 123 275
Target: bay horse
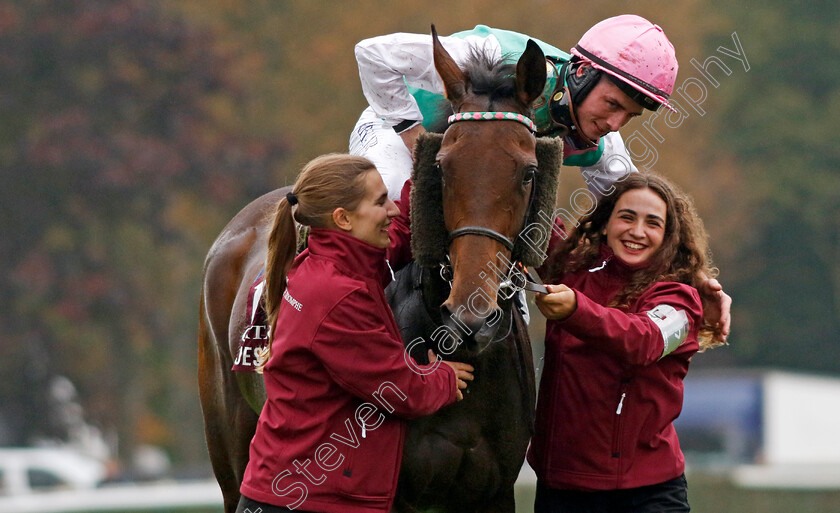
pixel 481 178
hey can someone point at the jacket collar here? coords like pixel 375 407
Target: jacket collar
pixel 352 256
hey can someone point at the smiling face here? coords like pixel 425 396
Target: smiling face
pixel 370 220
pixel 636 226
pixel 605 109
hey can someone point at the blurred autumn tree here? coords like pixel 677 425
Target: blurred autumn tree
pixel 781 125
pixel 122 157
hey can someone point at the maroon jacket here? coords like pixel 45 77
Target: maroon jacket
pixel 607 395
pixel 331 434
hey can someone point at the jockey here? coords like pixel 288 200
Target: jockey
pixel 619 67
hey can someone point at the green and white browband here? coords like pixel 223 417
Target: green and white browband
pixel 490 116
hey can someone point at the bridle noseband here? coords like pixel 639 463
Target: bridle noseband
pixel 507 287
pixel 485 232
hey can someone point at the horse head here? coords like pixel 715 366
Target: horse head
pixel 487 171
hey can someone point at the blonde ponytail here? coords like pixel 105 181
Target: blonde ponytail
pixel 324 184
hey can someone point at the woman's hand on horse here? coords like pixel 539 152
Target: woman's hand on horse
pixel 410 136
pixel 463 373
pixel 560 303
pixel 716 307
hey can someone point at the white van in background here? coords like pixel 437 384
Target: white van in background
pixel 36 469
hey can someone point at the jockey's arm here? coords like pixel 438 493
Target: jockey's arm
pixel 387 63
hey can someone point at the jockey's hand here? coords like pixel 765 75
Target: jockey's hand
pixel 716 308
pixel 463 373
pixel 410 136
pixel 560 303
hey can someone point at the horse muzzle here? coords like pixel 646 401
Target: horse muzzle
pixel 475 326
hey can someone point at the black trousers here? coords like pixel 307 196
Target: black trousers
pixel 247 505
pixel 668 497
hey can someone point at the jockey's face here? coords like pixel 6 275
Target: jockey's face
pixel 605 109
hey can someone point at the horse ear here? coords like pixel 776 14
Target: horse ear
pixel 454 80
pixel 530 73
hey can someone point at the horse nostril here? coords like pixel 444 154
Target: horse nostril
pixel 463 324
pixel 469 326
pixel 490 327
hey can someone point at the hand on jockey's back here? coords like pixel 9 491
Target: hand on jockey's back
pixel 716 308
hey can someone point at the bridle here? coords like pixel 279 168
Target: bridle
pixel 510 285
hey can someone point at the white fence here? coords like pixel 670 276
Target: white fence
pixel 169 496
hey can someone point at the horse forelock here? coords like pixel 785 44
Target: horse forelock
pixel 490 77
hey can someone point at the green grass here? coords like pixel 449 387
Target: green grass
pixel 709 494
pixel 717 494
pixel 220 509
pixel 706 494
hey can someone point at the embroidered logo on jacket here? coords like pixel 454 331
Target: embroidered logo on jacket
pixel 297 305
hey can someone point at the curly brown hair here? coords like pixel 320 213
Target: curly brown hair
pixel 684 256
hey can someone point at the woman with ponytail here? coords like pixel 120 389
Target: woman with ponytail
pixel 330 436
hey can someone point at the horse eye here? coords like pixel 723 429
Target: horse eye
pixel 529 175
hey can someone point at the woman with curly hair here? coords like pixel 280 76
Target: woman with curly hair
pixel 624 319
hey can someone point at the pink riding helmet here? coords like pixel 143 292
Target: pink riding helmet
pixel 635 51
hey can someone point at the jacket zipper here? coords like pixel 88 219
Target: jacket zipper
pixel 616 445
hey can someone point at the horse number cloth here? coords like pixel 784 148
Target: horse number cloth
pixel 256 334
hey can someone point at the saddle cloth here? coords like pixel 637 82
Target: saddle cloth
pixel 256 334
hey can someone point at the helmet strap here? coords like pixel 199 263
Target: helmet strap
pixel 577 134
